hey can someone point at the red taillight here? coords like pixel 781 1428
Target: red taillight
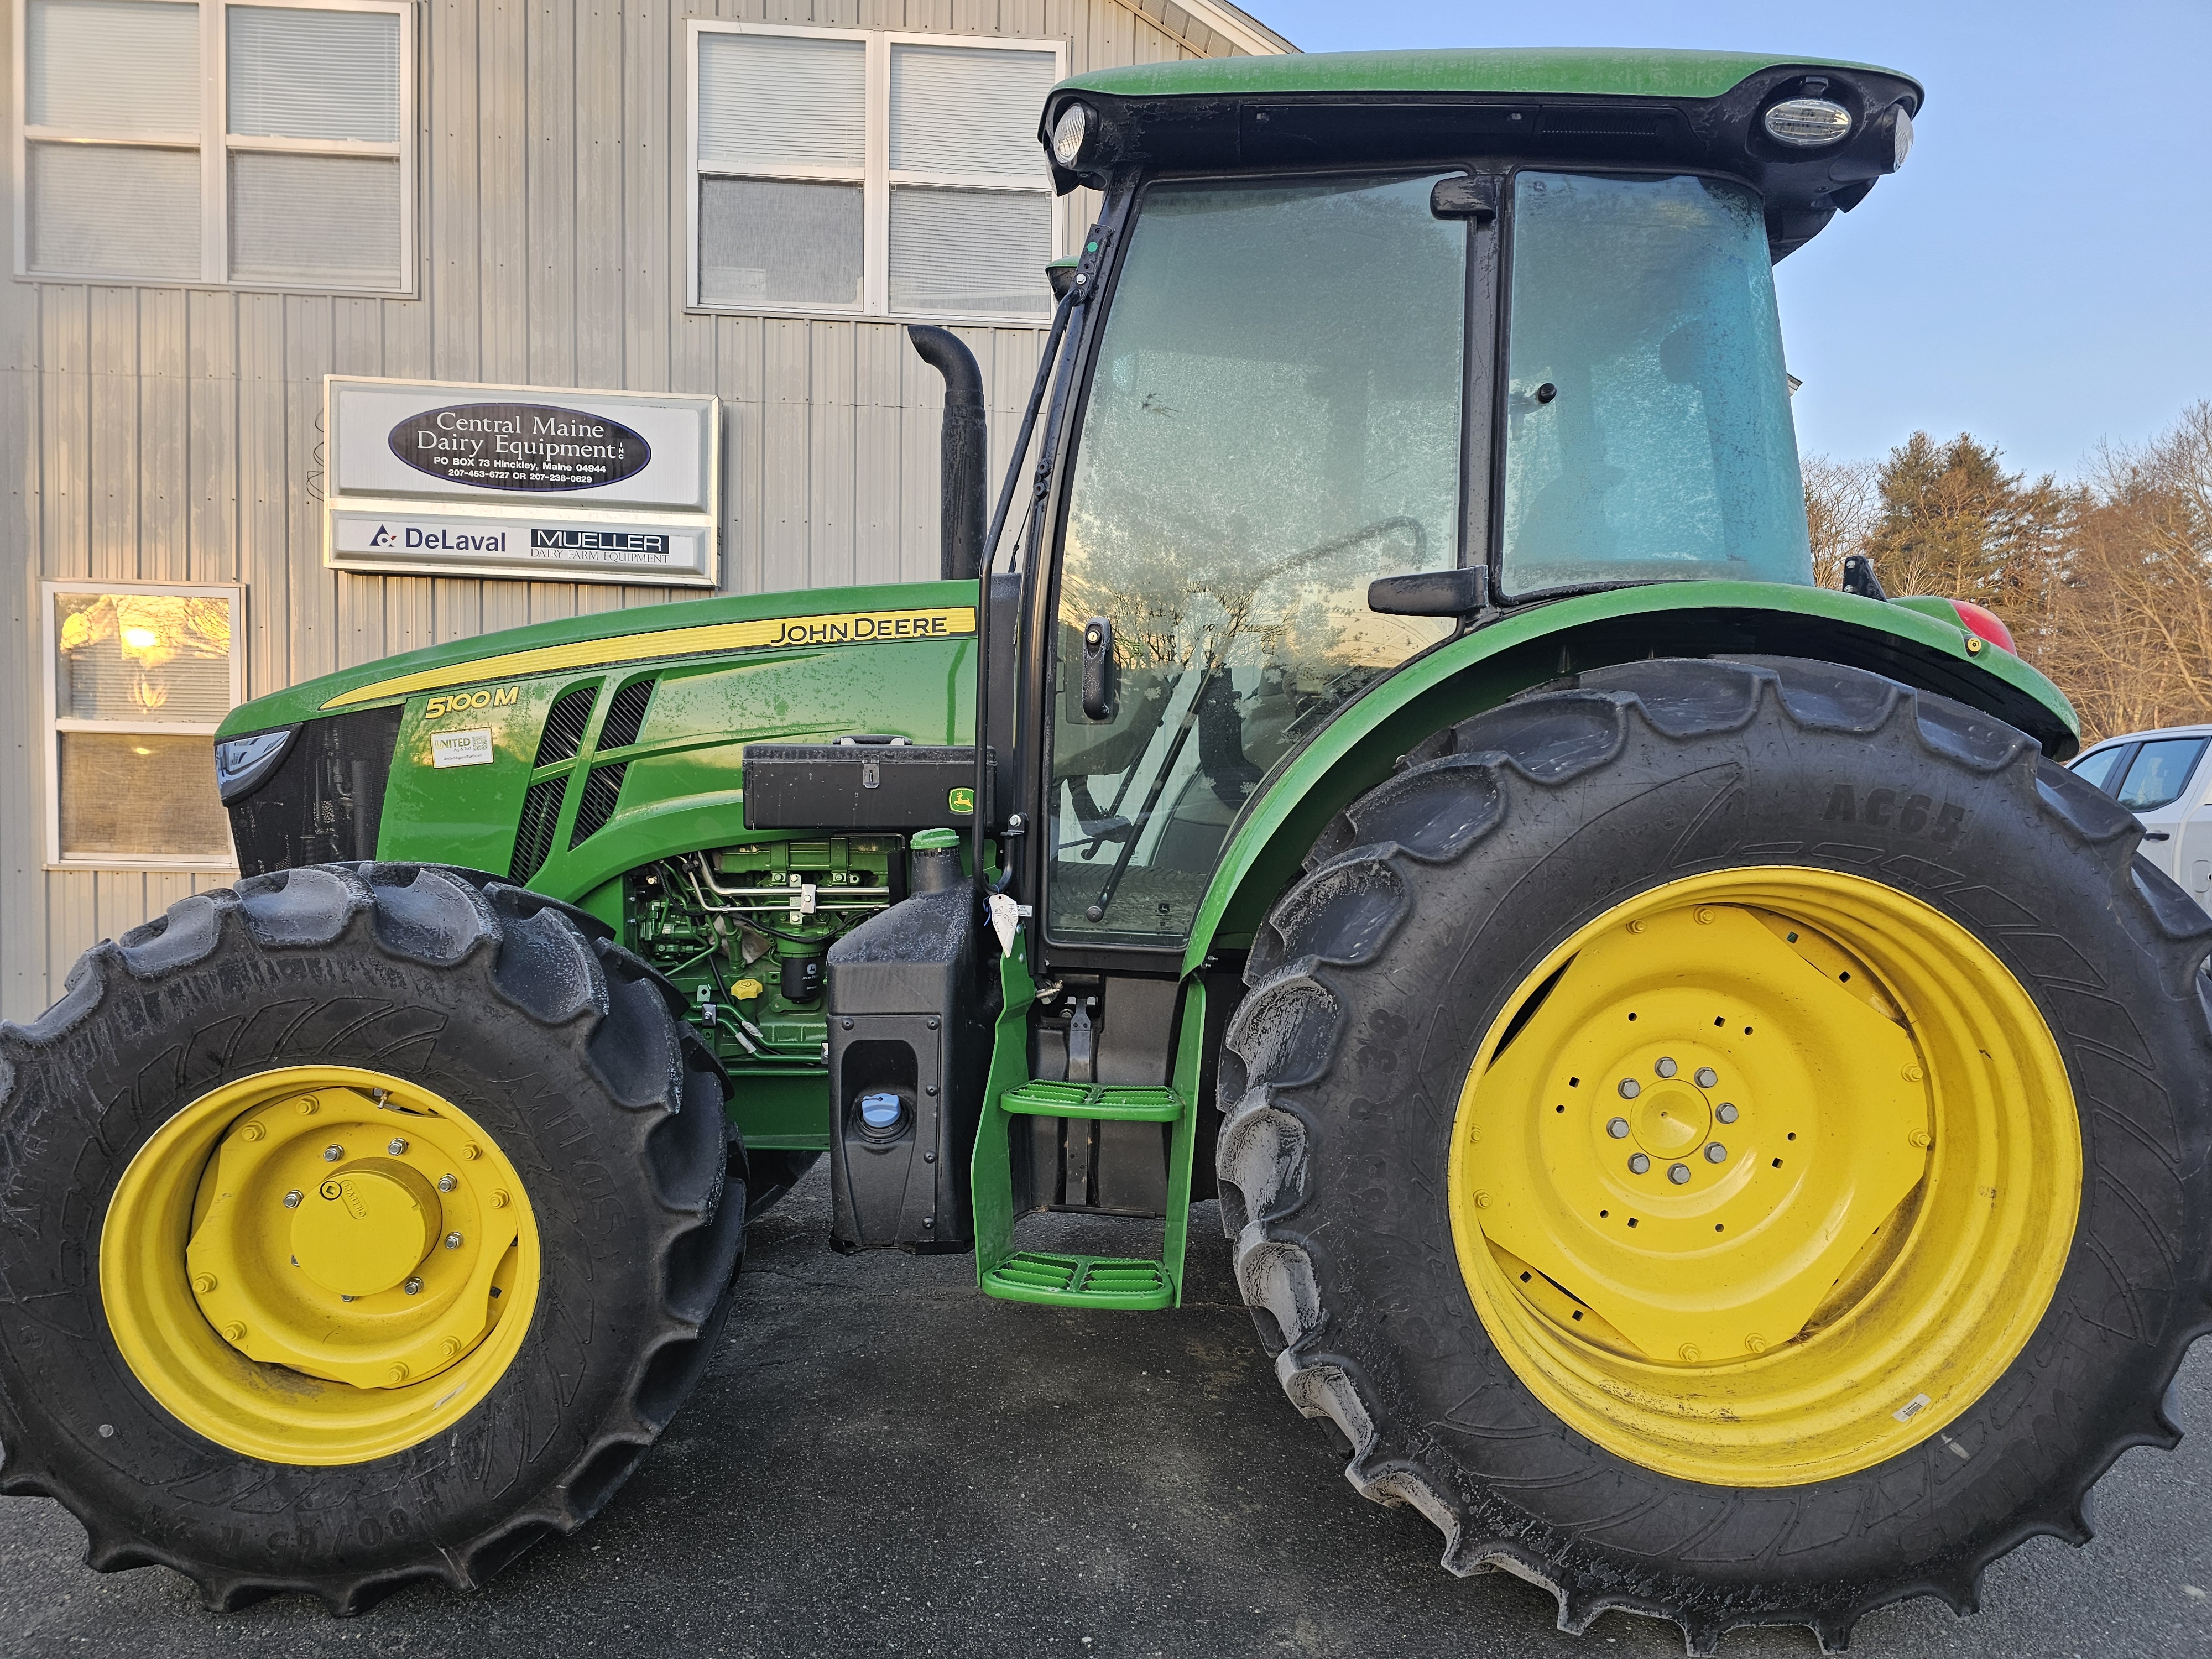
pixel 1976 620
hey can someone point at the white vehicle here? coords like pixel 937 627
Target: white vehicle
pixel 2162 778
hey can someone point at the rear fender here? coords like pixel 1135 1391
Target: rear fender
pixel 1484 667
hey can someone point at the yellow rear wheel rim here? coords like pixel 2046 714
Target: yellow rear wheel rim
pixel 1764 1175
pixel 320 1265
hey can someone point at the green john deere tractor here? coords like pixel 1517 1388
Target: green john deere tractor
pixel 1711 1111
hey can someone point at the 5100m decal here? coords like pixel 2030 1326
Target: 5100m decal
pixel 498 696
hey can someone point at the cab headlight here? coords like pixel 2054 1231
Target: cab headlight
pixel 1070 134
pixel 1808 123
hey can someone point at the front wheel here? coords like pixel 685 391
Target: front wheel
pixel 1726 1139
pixel 362 1225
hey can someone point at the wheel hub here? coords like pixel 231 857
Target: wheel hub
pixel 1688 1237
pixel 377 1269
pixel 365 1231
pixel 1765 1174
pixel 354 1229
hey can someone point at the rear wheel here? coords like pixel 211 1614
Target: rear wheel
pixel 363 1224
pixel 1724 1139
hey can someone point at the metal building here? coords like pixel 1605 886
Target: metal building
pixel 217 206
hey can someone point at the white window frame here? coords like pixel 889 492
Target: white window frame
pixel 217 146
pixel 50 648
pixel 875 175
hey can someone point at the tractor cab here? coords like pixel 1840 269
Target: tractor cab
pixel 1368 347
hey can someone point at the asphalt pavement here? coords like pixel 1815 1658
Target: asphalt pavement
pixel 882 1461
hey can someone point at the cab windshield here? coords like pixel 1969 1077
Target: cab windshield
pixel 1647 435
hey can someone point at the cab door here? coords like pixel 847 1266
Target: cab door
pixel 1274 421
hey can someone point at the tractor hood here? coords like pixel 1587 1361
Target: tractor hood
pixel 1705 111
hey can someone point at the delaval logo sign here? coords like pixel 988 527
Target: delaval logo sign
pixel 527 483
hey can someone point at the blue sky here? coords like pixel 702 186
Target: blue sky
pixel 2040 274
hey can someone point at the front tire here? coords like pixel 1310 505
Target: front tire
pixel 1944 1014
pixel 362 1225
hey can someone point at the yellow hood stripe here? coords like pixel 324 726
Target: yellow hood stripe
pixel 837 628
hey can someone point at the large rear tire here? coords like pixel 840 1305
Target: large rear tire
pixel 1728 1141
pixel 361 1224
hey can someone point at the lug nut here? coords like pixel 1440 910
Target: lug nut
pixel 1617 1128
pixel 1707 1077
pixel 1921 1139
pixel 446 1183
pixel 1637 1163
pixel 333 1153
pixel 396 1370
pixel 251 1132
pixel 1482 1200
pixel 1665 1067
pixel 1714 1152
pixel 203 1283
pixel 310 1106
pixel 451 1346
pixel 233 1331
pixel 471 1152
pixel 452 1241
pixel 398 1147
pixel 413 1287
pixel 1725 1111
pixel 1678 1173
pixel 498 1198
pixel 1630 1088
pixel 293 1197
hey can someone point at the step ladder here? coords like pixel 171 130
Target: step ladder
pixel 1078 1281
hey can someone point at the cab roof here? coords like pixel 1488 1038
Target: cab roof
pixel 1559 71
pixel 1577 106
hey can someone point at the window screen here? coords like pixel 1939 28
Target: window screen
pixel 140 680
pixel 323 78
pixel 311 127
pixel 105 69
pixel 855 172
pixel 962 117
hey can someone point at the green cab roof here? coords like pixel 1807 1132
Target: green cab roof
pixel 1564 72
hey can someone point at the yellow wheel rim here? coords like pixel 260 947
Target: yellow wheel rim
pixel 1764 1175
pixel 320 1265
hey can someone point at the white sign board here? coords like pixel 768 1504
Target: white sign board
pixel 525 481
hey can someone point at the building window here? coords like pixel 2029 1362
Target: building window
pixel 846 171
pixel 194 141
pixel 137 679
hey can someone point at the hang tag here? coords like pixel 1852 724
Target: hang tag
pixel 1006 920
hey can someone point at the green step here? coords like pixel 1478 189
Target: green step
pixel 1080 1281
pixel 1121 1103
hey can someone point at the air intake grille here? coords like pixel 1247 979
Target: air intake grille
pixel 533 837
pixel 564 727
pixel 626 715
pixel 601 790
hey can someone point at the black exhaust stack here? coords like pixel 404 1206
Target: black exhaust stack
pixel 965 447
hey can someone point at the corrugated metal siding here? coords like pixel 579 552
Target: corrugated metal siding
pixel 172 434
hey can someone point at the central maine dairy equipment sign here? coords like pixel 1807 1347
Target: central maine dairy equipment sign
pixel 524 482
